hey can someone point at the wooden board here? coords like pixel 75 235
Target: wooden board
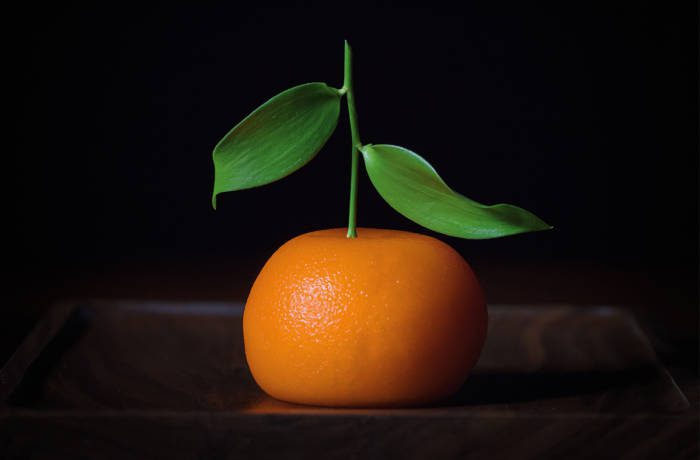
pixel 167 380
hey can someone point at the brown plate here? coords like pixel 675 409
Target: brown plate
pixel 169 380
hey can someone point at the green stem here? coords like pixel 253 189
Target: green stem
pixel 356 145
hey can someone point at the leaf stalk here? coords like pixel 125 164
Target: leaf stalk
pixel 348 90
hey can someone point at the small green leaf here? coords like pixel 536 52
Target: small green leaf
pixel 412 187
pixel 279 137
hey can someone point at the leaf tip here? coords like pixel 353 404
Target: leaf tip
pixel 539 225
pixel 542 228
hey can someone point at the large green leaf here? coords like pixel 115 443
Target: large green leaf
pixel 278 138
pixel 412 187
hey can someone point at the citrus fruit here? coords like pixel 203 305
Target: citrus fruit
pixel 389 318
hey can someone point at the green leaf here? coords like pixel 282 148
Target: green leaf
pixel 412 187
pixel 279 137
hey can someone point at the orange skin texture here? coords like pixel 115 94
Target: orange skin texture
pixel 390 318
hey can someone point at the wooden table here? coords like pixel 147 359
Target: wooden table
pixel 122 379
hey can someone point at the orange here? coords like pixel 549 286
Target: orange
pixel 390 318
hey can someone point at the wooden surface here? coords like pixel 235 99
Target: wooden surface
pixel 167 380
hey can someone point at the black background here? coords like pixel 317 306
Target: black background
pixel 586 116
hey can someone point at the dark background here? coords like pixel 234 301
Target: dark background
pixel 586 116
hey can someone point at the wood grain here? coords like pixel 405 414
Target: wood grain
pixel 161 380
